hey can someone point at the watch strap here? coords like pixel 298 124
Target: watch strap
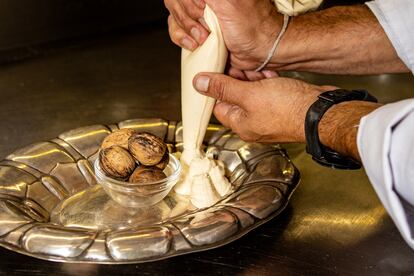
pixel 321 154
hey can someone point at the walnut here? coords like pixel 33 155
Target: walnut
pixel 143 174
pixel 118 138
pixel 116 162
pixel 164 161
pixel 147 148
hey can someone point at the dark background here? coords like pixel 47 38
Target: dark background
pixel 29 28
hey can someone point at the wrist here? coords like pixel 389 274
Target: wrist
pixel 308 43
pixel 338 127
pixel 309 97
pixel 269 31
pixel 294 47
pixel 311 40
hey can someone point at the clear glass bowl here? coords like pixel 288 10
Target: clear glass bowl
pixel 140 194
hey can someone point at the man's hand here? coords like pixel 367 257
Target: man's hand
pixel 249 29
pixel 274 110
pixel 186 24
pixel 339 40
pixel 271 110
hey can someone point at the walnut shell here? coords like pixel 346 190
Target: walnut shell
pixel 147 148
pixel 164 161
pixel 116 162
pixel 144 174
pixel 118 138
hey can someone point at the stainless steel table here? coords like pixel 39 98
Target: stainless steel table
pixel 335 223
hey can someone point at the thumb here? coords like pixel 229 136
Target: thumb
pixel 222 87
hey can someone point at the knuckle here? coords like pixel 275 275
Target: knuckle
pixel 167 4
pixel 174 31
pixel 244 137
pixel 193 10
pixel 175 40
pixel 198 3
pixel 178 16
pixel 188 23
pixel 184 20
pixel 248 137
pixel 170 22
pixel 218 88
pixel 171 27
pixel 245 132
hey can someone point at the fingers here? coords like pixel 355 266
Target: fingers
pixel 230 115
pixel 200 4
pixel 179 37
pixel 223 88
pixel 269 74
pixel 184 23
pixel 236 73
pixel 250 75
pixel 254 76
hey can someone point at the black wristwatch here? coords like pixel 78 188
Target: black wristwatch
pixel 321 154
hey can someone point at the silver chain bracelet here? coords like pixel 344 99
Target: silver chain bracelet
pixel 278 39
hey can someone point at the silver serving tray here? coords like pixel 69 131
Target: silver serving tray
pixel 52 208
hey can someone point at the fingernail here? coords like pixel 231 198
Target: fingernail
pixel 269 74
pixel 188 44
pixel 202 83
pixel 195 33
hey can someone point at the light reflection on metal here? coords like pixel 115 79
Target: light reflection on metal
pixel 84 225
pixel 85 135
pixel 15 187
pixel 135 126
pixel 336 226
pixel 25 157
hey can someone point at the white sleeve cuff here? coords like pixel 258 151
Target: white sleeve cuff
pixel 402 157
pixel 376 144
pixel 397 20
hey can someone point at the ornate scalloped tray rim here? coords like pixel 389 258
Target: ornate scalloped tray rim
pixel 167 256
pixel 83 148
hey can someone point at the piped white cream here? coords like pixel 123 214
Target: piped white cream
pixel 203 179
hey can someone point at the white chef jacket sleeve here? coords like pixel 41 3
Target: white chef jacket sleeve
pixel 397 19
pixel 386 136
pixel 386 146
